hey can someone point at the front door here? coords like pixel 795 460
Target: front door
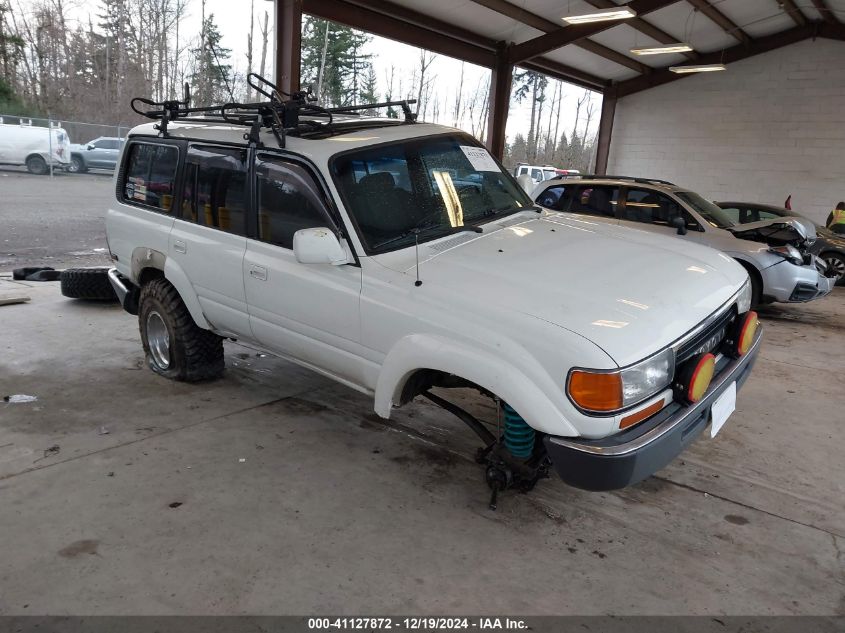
pixel 309 312
pixel 209 240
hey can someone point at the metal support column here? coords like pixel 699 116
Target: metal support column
pixel 288 44
pixel 500 97
pixel 608 111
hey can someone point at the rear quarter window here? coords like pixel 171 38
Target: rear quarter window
pixel 150 176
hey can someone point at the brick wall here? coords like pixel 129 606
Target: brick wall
pixel 769 126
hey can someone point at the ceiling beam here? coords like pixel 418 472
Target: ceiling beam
pixel 826 13
pixel 399 23
pixel 832 30
pixel 721 20
pixel 734 54
pixel 792 10
pixel 574 32
pixel 547 26
pixel 644 27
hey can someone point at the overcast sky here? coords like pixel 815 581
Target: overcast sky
pixel 233 19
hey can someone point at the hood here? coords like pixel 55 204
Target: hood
pixel 630 292
pixel 778 231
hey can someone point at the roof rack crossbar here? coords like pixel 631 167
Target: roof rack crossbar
pixel 405 104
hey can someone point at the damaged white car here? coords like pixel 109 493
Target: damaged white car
pixel 398 258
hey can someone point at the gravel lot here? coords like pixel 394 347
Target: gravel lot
pixel 55 221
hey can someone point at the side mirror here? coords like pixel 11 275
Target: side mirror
pixel 90 146
pixel 318 246
pixel 526 183
pixel 679 223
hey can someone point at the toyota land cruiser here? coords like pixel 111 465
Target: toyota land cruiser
pixel 396 257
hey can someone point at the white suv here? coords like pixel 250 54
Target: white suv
pixel 396 257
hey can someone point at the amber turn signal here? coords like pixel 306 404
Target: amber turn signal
pixel 695 377
pixel 596 391
pixel 746 333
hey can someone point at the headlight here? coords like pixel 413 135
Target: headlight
pixel 743 301
pixel 789 253
pixel 609 391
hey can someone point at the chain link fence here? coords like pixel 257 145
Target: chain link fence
pixel 84 139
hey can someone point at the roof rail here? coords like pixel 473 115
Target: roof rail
pixel 631 178
pixel 281 116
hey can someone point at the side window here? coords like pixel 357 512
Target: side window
pixel 107 144
pixel 599 200
pixel 150 177
pixel 288 200
pixel 215 193
pixel 733 214
pixel 553 198
pixel 537 174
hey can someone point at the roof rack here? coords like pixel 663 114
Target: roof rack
pixel 282 116
pixel 631 178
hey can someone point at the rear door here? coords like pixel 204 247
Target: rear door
pixel 597 201
pixel 208 240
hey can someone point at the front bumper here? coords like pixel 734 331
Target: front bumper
pixel 637 453
pixel 788 283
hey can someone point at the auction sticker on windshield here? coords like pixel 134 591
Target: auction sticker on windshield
pixel 479 158
pixel 722 409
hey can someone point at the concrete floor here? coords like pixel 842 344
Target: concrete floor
pixel 294 498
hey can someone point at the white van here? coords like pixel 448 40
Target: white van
pixel 36 147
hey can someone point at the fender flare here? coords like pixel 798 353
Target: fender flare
pixel 143 257
pixel 428 351
pixel 175 275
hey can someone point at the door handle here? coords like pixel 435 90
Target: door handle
pixel 258 272
pixel 180 247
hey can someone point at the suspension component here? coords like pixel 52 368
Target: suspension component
pixel 519 437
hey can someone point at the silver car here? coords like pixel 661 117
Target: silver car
pixel 99 153
pixel 776 253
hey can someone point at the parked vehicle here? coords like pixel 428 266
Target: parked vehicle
pixel 828 246
pixel 100 153
pixel 33 146
pixel 775 253
pixel 348 248
pixel 539 173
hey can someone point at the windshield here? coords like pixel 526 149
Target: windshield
pixel 706 209
pixel 423 188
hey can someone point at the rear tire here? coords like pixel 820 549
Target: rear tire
pixel 91 284
pixel 77 165
pixel 37 165
pixel 176 347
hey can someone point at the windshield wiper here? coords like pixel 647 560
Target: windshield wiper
pixel 419 231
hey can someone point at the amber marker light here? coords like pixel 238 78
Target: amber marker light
pixel 639 416
pixel 596 391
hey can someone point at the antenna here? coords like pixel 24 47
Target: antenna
pixel 417 283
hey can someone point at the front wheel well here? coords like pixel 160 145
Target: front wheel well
pixel 148 274
pixel 421 380
pixel 756 282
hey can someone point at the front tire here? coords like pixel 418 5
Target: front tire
pixel 176 347
pixel 836 263
pixel 36 165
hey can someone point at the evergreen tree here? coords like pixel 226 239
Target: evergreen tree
pixel 212 76
pixel 369 92
pixel 333 61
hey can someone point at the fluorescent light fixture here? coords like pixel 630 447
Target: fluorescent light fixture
pixel 663 50
pixel 602 15
pixel 703 68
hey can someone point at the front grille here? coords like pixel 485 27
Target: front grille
pixel 709 339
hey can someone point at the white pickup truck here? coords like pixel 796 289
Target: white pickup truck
pixel 398 257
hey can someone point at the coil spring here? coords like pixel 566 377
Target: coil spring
pixel 519 437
